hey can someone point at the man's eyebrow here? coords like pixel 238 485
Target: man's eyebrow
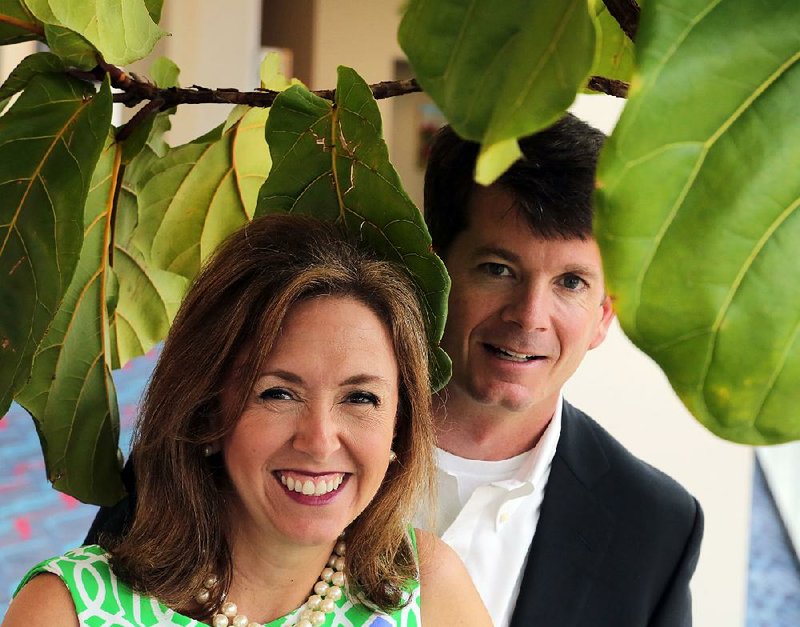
pixel 496 251
pixel 579 268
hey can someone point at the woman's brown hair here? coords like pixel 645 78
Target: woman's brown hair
pixel 227 323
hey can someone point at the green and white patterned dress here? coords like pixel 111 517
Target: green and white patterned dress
pixel 103 600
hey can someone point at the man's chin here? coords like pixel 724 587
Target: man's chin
pixel 507 396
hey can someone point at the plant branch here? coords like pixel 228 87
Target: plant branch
pixel 135 90
pixel 626 12
pixel 13 21
pixel 610 86
pixel 127 129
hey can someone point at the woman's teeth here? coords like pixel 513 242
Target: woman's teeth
pixel 312 486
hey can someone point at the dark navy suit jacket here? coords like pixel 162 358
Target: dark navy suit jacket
pixel 617 540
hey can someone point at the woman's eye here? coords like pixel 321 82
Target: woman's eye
pixel 573 282
pixel 363 398
pixel 276 394
pixel 495 269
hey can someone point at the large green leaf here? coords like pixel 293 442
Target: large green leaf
pixel 70 46
pixel 499 70
pixel 332 163
pixel 199 193
pixel 50 141
pixel 71 393
pixel 698 210
pixel 122 30
pixel 17 23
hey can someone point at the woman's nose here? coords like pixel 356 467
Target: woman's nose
pixel 317 435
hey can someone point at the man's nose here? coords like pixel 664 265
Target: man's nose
pixel 317 435
pixel 529 307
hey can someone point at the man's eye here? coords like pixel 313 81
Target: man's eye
pixel 363 398
pixel 495 269
pixel 573 282
pixel 275 394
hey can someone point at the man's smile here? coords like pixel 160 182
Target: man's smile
pixel 510 355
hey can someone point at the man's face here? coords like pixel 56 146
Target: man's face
pixel 523 310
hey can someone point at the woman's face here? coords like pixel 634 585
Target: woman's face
pixel 311 446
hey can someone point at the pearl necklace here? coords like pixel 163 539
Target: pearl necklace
pixel 312 612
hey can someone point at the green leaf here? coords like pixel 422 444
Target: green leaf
pixel 30 66
pixel 71 393
pixel 271 75
pixel 17 23
pixel 71 47
pixel 499 70
pixel 122 30
pixel 494 159
pixel 201 192
pixel 614 57
pixel 41 10
pixel 698 210
pixel 164 72
pixel 332 163
pixel 65 43
pixel 154 9
pixel 50 141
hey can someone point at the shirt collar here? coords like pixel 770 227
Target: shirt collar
pixel 541 455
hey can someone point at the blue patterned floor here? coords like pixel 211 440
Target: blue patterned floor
pixel 37 522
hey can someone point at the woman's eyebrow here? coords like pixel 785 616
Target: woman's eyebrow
pixel 286 375
pixel 363 378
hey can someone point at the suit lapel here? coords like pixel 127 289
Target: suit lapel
pixel 572 535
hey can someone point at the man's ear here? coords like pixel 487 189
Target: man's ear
pixel 604 323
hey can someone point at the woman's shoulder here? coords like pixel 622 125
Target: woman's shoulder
pixel 448 595
pixel 43 600
pixel 437 561
pixel 70 564
pixel 46 593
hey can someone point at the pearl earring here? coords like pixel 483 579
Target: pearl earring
pixel 209 449
pixel 392 456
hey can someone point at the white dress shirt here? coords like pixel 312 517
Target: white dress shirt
pixel 488 512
